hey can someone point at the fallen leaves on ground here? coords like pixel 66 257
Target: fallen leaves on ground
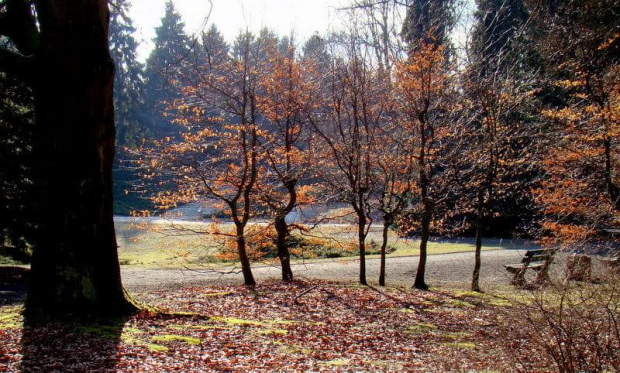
pixel 302 326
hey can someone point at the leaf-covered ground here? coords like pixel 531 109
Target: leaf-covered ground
pixel 279 327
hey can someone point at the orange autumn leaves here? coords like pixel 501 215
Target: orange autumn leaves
pixel 580 193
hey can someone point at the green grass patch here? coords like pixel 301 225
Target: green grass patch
pixel 186 244
pixel 156 348
pixel 466 345
pixel 11 317
pixel 176 338
pixel 459 303
pixel 236 321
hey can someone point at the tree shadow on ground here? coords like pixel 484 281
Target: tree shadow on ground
pixel 70 345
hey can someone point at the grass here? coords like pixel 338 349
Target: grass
pixel 187 244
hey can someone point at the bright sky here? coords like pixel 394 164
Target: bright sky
pixel 304 17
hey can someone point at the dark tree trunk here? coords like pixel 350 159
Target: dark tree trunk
pixel 282 230
pixel 75 265
pixel 246 269
pixel 387 221
pixel 283 253
pixel 475 280
pixel 419 282
pixel 361 241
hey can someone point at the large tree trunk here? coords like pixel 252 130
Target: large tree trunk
pixel 75 265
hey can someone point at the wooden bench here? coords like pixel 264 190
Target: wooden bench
pixel 612 262
pixel 537 260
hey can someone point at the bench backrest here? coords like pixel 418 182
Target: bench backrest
pixel 539 255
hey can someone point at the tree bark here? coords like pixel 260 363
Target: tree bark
pixel 419 282
pixel 246 269
pixel 361 241
pixel 387 221
pixel 282 230
pixel 283 253
pixel 475 280
pixel 75 265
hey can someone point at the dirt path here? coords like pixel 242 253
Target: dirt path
pixel 446 269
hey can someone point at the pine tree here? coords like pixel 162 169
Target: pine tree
pixel 164 68
pixel 213 50
pixel 428 21
pixel 129 80
pixel 497 32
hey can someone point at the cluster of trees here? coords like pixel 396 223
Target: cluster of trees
pixel 515 131
pixel 423 135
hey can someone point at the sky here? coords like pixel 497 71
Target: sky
pixel 304 17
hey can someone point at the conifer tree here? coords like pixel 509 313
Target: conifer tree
pixel 164 68
pixel 428 22
pixel 129 80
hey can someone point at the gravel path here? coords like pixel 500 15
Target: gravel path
pixel 446 269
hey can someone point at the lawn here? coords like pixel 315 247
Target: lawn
pixel 195 244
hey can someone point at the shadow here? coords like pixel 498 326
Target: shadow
pixel 70 345
pixel 13 285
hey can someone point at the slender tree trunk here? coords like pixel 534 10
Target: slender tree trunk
pixel 387 221
pixel 361 241
pixel 419 282
pixel 75 265
pixel 283 253
pixel 475 280
pixel 246 269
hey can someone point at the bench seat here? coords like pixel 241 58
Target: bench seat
pixel 514 268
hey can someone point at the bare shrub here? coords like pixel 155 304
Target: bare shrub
pixel 574 324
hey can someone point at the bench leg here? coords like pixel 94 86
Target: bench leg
pixel 519 278
pixel 542 278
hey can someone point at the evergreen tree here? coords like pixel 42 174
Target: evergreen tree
pixel 213 50
pixel 497 32
pixel 16 189
pixel 428 21
pixel 129 80
pixel 164 68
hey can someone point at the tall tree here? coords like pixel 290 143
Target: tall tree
pixel 351 114
pixel 213 49
pixel 164 68
pixel 16 163
pixel 495 83
pixel 580 44
pixel 75 264
pixel 429 22
pixel 128 78
pixel 426 100
pixel 289 94
pixel 218 155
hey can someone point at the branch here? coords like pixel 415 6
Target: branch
pixel 19 25
pixel 17 65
